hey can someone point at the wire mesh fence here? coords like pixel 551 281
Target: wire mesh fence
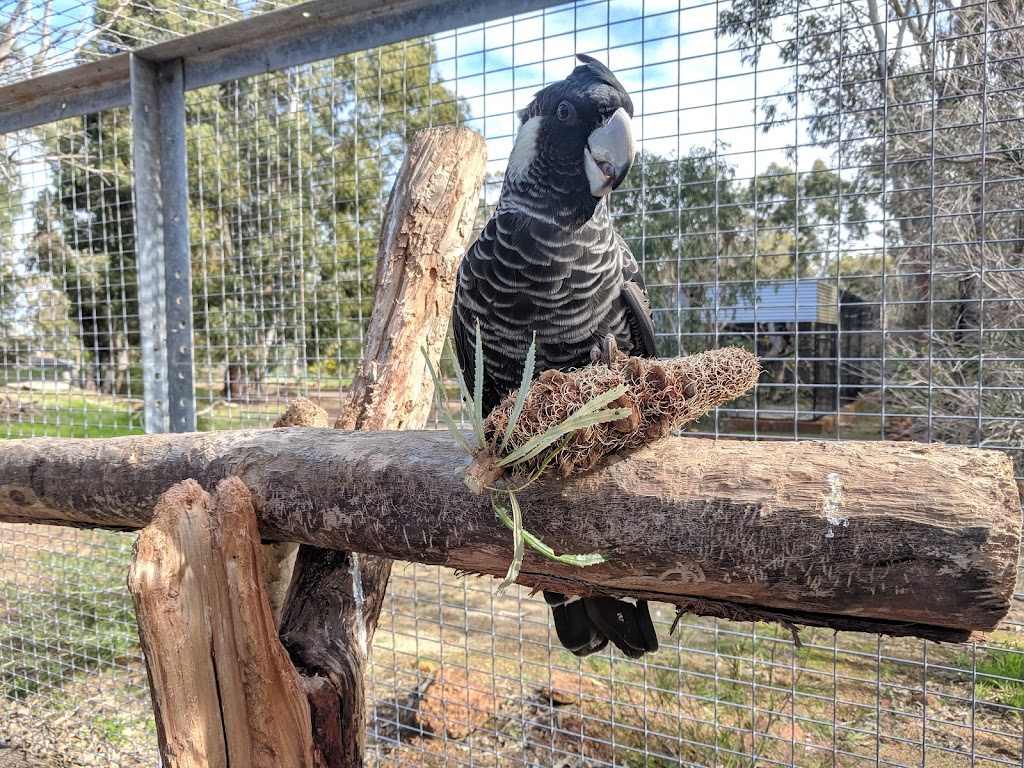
pixel 834 185
pixel 44 37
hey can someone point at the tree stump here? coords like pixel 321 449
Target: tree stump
pixel 224 690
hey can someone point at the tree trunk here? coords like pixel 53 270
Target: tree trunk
pixel 335 598
pixel 968 316
pixel 428 223
pixel 893 537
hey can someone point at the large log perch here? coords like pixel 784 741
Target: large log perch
pixel 899 538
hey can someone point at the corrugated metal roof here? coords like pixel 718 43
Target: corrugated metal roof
pixel 784 301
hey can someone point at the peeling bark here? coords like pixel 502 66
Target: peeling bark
pixel 890 536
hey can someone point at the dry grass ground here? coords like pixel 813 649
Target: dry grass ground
pixel 463 678
pixel 720 694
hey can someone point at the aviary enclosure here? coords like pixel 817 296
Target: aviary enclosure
pixel 190 212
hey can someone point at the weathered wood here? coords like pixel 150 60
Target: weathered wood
pixel 323 630
pixel 331 611
pixel 335 598
pixel 899 536
pixel 428 223
pixel 224 691
pixel 278 558
pixel 325 711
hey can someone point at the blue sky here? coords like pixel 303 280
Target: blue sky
pixel 690 89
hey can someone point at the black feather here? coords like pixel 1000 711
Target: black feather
pixel 575 631
pixel 548 263
pixel 627 624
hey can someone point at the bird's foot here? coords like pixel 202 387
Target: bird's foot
pixel 607 351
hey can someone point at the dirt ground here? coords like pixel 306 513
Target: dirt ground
pixel 461 677
pixel 12 757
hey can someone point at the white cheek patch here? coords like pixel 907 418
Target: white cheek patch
pixel 524 151
pixel 599 186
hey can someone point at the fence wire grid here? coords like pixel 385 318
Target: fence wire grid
pixel 834 185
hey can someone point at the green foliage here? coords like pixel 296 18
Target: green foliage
pixel 288 173
pixel 808 219
pixel 698 230
pixel 906 120
pixel 85 240
pixel 10 205
pixel 1000 677
pixel 920 105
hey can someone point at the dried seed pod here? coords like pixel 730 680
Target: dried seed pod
pixel 662 396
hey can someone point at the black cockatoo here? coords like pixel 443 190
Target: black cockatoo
pixel 549 263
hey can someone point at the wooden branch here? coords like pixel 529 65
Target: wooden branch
pixel 893 537
pixel 278 558
pixel 428 223
pixel 224 691
pixel 335 597
pixel 323 632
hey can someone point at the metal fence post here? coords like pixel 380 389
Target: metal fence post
pixel 164 267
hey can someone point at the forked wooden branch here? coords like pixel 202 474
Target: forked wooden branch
pixel 335 597
pixel 224 690
pixel 899 538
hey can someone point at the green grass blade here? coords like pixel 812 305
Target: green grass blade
pixel 478 385
pixel 478 427
pixel 547 460
pixel 463 389
pixel 537 446
pixel 580 561
pixel 600 401
pixel 516 526
pixel 442 404
pixel 587 415
pixel 565 429
pixel 449 422
pixel 524 385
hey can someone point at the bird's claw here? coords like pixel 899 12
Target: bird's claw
pixel 606 352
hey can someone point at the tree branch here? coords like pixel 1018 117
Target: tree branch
pixel 900 538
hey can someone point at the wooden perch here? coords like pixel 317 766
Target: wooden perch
pixel 224 691
pixel 899 538
pixel 335 597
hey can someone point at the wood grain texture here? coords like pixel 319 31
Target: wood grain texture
pixel 224 691
pixel 335 597
pixel 899 536
pixel 427 226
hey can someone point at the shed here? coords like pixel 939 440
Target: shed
pixel 814 339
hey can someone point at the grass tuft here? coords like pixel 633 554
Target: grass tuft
pixel 503 498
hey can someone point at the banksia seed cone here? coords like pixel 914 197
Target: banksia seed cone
pixel 661 395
